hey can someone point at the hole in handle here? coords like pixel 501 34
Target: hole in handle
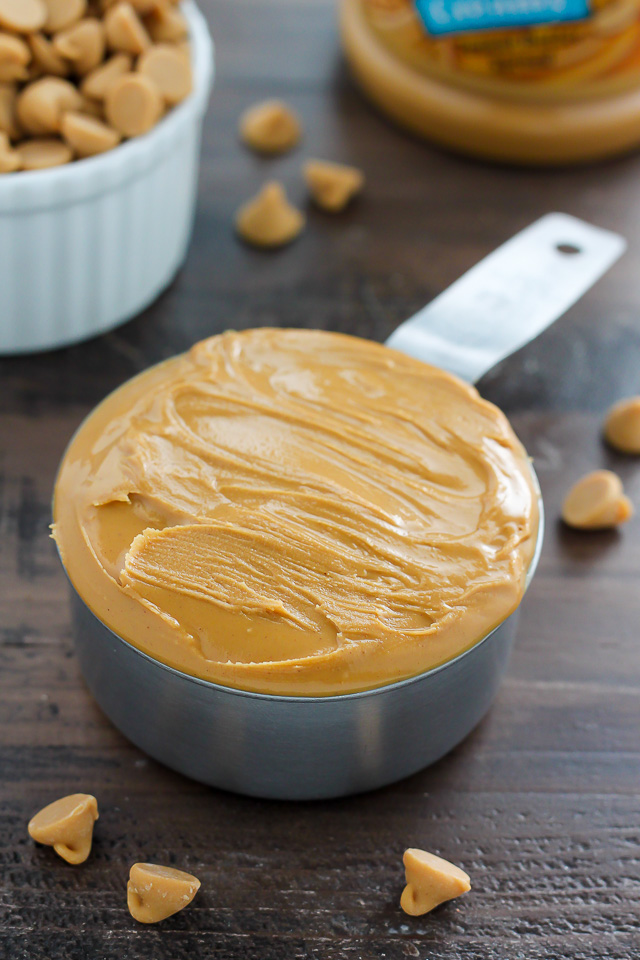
pixel 568 249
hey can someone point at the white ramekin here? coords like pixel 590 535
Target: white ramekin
pixel 87 246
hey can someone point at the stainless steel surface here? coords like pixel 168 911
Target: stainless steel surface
pixel 290 748
pixel 509 297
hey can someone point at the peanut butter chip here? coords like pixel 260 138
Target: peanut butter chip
pixel 332 185
pixel 125 31
pixel 155 893
pixel 166 24
pixel 596 502
pixel 13 71
pixel 67 825
pixel 46 57
pixel 23 16
pixel 8 120
pixel 143 7
pixel 96 83
pixel 133 104
pixel 88 136
pixel 40 105
pixel 169 69
pixel 83 44
pixel 430 882
pixel 92 108
pixel 39 154
pixel 14 50
pixel 9 158
pixel 622 426
pixel 269 220
pixel 270 127
pixel 62 13
pixel 14 57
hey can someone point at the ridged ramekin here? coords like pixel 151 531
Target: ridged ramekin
pixel 87 246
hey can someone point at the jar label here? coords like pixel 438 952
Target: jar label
pixel 442 17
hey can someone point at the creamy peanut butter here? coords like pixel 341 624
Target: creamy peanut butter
pixel 297 512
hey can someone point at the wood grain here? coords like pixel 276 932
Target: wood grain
pixel 541 804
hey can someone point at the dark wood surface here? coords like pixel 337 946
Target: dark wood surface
pixel 541 804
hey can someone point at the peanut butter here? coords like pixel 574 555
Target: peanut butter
pixel 554 86
pixel 297 512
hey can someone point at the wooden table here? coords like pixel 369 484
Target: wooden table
pixel 541 803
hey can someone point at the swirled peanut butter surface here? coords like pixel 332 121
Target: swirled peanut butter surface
pixel 297 512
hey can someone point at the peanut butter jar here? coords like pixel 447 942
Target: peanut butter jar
pixel 296 560
pixel 540 82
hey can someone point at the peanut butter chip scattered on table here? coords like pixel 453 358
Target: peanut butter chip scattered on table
pixel 67 826
pixel 270 127
pixel 155 892
pixel 332 185
pixel 430 882
pixel 596 502
pixel 269 220
pixel 622 426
